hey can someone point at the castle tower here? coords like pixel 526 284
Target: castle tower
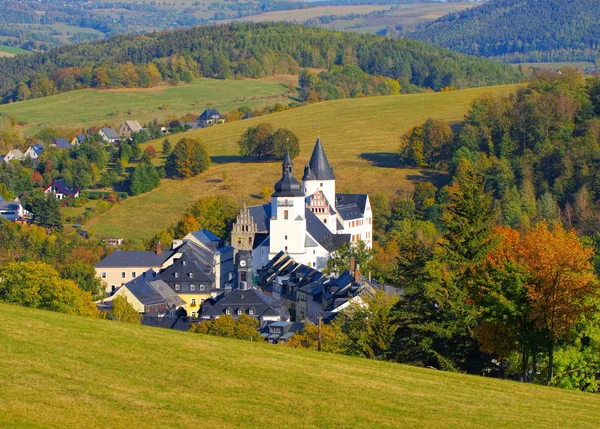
pixel 288 217
pixel 243 266
pixel 318 174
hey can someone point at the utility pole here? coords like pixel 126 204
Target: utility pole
pixel 319 340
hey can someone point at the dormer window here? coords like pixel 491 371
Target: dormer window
pixel 201 287
pixel 240 312
pixel 177 286
pixel 184 263
pixel 228 311
pixel 192 287
pixel 190 275
pixel 251 312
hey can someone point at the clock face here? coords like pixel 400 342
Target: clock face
pixel 242 263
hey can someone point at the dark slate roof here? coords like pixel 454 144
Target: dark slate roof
pixel 82 137
pixel 210 114
pixel 111 133
pixel 322 234
pixel 179 273
pixel 351 206
pixel 61 143
pixel 65 189
pixel 288 186
pixel 318 167
pixel 134 258
pixel 37 148
pixel 244 300
pixel 261 216
pixel 145 293
pixel 9 205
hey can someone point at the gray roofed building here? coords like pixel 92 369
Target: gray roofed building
pixel 188 275
pixel 250 302
pixel 11 210
pixel 351 206
pixel 134 258
pixel 14 154
pixel 60 143
pixel 210 117
pixel 109 135
pixel 331 242
pixel 80 139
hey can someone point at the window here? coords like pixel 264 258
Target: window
pixel 190 275
pixel 321 185
pixel 123 274
pixel 177 286
pixel 153 274
pixel 240 312
pixel 324 220
pixel 251 312
pixel 286 237
pixel 228 311
pixel 193 301
pixel 243 276
pixel 192 287
pixel 144 275
pixel 104 274
pixel 286 248
pixel 201 287
pixel 184 263
pixel 133 274
pixel 240 240
pixel 176 275
pixel 113 288
pixel 250 240
pixel 285 214
pixel 193 314
pixel 314 252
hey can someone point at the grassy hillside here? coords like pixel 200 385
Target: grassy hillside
pixel 11 51
pixel 361 137
pixel 87 107
pixel 62 371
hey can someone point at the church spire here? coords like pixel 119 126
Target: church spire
pixel 287 186
pixel 318 164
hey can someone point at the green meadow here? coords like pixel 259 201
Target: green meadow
pixel 11 51
pixel 83 108
pixel 61 371
pixel 361 137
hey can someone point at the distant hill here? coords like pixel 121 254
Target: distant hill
pixel 237 50
pixel 64 371
pixel 521 30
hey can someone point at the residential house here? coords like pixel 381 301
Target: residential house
pixel 80 138
pixel 129 128
pixel 210 117
pixel 34 151
pixel 152 298
pixel 250 302
pixel 14 154
pixel 11 210
pixel 122 266
pixel 280 332
pixel 60 143
pixel 61 190
pixel 109 135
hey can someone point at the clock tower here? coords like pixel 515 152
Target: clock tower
pixel 243 265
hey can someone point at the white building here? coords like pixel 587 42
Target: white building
pixel 308 221
pixel 11 210
pixel 34 151
pixel 12 155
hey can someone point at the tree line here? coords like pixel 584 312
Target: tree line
pixel 238 50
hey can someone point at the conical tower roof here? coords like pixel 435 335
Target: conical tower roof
pixel 318 164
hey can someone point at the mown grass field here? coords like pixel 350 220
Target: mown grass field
pixel 83 108
pixel 562 65
pixel 361 137
pixel 62 371
pixel 11 51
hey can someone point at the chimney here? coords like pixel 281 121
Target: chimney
pixel 352 265
pixel 357 274
pixel 158 248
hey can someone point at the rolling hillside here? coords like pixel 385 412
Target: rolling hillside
pixel 62 371
pixel 361 137
pixel 86 107
pixel 521 30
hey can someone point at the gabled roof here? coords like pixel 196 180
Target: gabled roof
pixel 154 292
pixel 61 143
pixel 178 273
pixel 82 137
pixel 110 133
pixel 134 258
pixel 64 188
pixel 210 114
pixel 351 206
pixel 134 126
pixel 37 148
pixel 261 216
pixel 318 167
pixel 244 300
pixel 322 235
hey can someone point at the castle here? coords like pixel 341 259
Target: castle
pixel 309 220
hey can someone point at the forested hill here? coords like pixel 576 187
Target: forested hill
pixel 521 30
pixel 237 50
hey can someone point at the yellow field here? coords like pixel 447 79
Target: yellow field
pixel 361 137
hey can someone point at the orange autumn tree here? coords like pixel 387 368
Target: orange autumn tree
pixel 561 281
pixel 545 277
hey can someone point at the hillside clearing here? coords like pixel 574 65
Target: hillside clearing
pixel 361 137
pixel 83 108
pixel 72 372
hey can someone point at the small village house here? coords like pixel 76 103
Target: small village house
pixel 11 210
pixel 109 135
pixel 60 143
pixel 61 190
pixel 80 138
pixel 14 154
pixel 129 128
pixel 210 117
pixel 34 151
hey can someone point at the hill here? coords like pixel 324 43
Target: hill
pixel 71 372
pixel 521 30
pixel 86 107
pixel 361 137
pixel 238 50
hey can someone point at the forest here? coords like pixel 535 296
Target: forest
pixel 561 31
pixel 237 51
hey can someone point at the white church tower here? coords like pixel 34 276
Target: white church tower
pixel 288 217
pixel 318 175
